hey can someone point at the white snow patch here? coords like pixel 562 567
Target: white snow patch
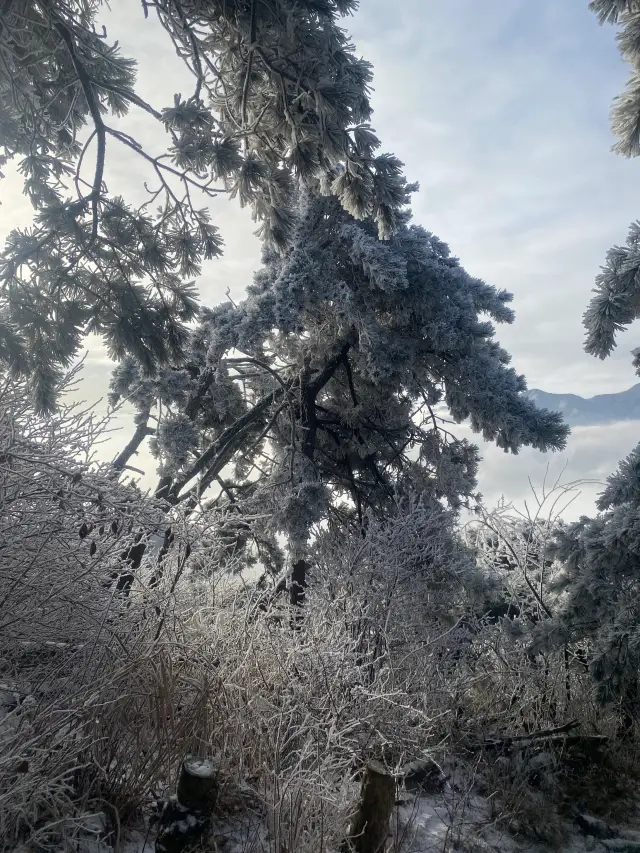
pixel 450 822
pixel 204 768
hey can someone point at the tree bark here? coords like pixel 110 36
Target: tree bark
pixel 198 785
pixel 296 592
pixel 369 830
pixel 142 431
pixel 629 707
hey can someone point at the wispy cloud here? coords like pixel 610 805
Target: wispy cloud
pixel 592 454
pixel 500 110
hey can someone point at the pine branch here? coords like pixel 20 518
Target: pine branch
pixel 212 461
pixel 192 407
pixel 219 464
pixel 259 363
pixel 247 79
pixel 188 31
pixel 310 391
pixel 158 167
pixel 349 372
pixel 209 460
pixel 132 98
pixel 101 130
pixel 317 384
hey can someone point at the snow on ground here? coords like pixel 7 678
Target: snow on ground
pixel 427 825
pixel 420 824
pixel 439 825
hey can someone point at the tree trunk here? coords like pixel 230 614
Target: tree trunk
pixel 198 785
pixel 629 706
pixel 369 830
pixel 296 592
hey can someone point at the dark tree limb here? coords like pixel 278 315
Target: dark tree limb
pixel 218 454
pixel 192 407
pixel 349 372
pixel 320 380
pixel 309 391
pixel 220 449
pixel 142 431
pixel 509 741
pixel 96 116
pixel 297 591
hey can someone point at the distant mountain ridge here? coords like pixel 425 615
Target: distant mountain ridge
pixel 591 411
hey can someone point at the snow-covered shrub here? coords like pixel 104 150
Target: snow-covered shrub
pixel 296 711
pixel 404 587
pixel 106 685
pixel 68 630
pixel 536 689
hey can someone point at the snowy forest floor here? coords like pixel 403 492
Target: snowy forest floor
pixel 455 819
pixel 420 824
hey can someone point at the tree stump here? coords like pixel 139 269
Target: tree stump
pixel 198 785
pixel 369 830
pixel 187 817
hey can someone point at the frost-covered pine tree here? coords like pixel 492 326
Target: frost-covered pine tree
pixel 316 398
pixel 278 93
pixel 601 555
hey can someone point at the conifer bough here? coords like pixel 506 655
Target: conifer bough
pixel 278 96
pixel 318 396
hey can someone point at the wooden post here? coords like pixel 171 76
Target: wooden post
pixel 187 817
pixel 369 830
pixel 198 785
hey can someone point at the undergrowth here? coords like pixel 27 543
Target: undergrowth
pixel 113 668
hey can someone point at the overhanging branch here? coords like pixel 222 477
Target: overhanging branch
pixel 219 453
pixel 142 431
pixel 210 459
pixel 94 108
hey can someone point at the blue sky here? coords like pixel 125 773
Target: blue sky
pixel 500 109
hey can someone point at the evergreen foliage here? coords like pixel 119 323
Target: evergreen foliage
pixel 305 427
pixel 315 399
pixel 615 303
pixel 318 394
pixel 600 584
pixel 278 94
